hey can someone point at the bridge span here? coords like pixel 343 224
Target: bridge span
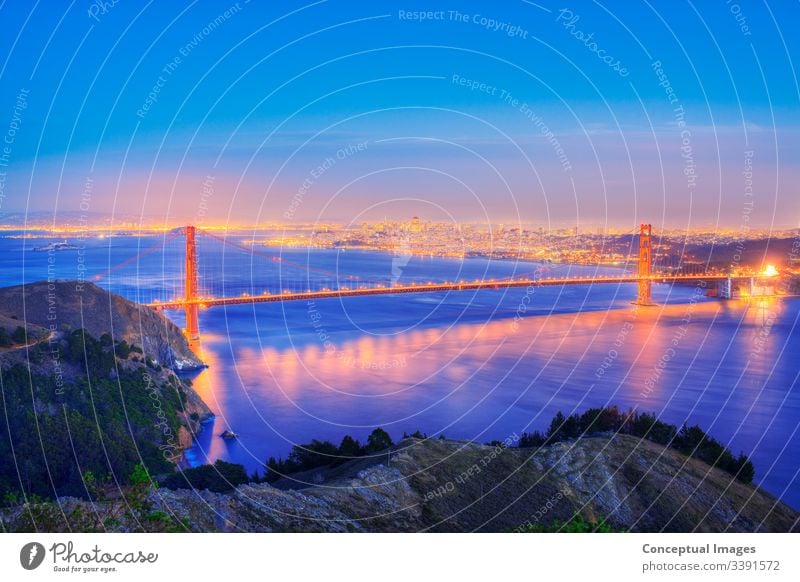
pixel 427 288
pixel 193 300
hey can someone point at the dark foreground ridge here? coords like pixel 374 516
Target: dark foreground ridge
pixel 617 483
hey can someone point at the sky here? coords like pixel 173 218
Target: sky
pixel 588 114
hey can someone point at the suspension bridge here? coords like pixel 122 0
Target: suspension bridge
pixel 205 292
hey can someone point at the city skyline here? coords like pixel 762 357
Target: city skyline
pixel 75 222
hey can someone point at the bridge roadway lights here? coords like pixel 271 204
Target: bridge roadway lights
pixel 197 303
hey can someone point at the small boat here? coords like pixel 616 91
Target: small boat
pixel 229 434
pixel 56 246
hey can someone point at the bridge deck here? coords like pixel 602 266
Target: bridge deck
pixel 431 288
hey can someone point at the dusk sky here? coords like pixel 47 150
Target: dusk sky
pixel 502 112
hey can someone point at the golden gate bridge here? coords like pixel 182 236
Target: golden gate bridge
pixel 193 296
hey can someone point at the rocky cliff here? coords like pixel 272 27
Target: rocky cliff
pixel 436 485
pixel 69 305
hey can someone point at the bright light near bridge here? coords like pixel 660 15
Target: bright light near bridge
pixel 770 271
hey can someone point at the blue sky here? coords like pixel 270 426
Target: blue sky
pixel 500 112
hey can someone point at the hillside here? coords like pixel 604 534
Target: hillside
pixel 69 305
pixel 629 483
pixel 85 395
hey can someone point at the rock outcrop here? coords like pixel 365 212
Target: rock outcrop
pixel 440 485
pixel 68 305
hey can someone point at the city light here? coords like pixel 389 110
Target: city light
pixel 770 271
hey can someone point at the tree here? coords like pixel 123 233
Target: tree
pixel 555 425
pixel 576 524
pixel 378 440
pixel 312 455
pixel 743 469
pixel 90 481
pixel 274 469
pixel 19 336
pixel 140 476
pixel 5 339
pixel 533 439
pixel 647 426
pixel 600 420
pixel 350 448
pixel 123 350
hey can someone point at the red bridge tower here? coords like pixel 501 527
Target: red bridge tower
pixel 191 308
pixel 645 264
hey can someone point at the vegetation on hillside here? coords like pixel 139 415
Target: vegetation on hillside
pixel 17 337
pixel 655 483
pixel 133 510
pixel 95 414
pixel 325 453
pixel 221 476
pixel 689 440
pixel 577 524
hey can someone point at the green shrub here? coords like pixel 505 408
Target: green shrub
pixel 576 524
pixel 219 477
pixel 19 336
